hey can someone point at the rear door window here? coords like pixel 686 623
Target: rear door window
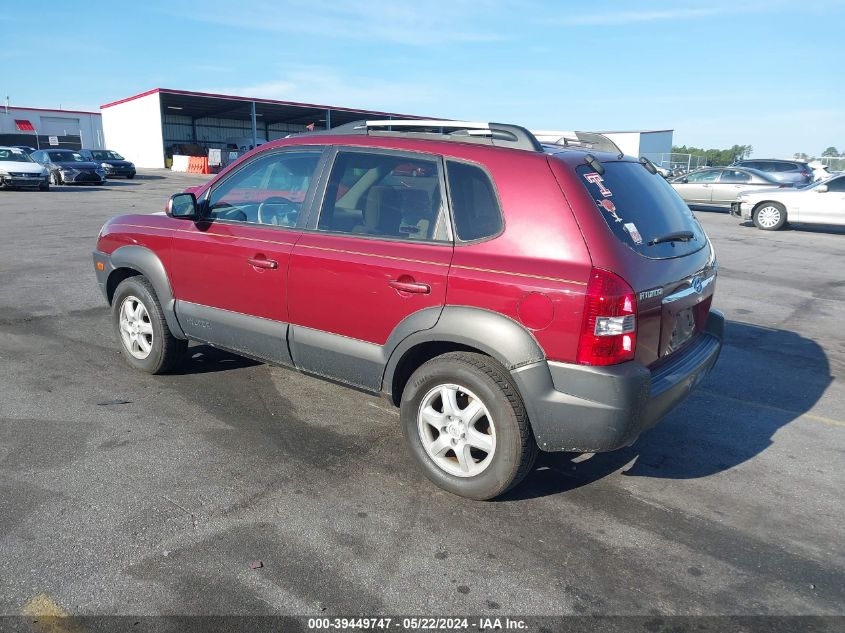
pixel 475 207
pixel 734 176
pixel 639 207
pixel 395 196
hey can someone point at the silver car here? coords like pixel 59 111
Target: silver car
pixel 719 186
pixel 820 203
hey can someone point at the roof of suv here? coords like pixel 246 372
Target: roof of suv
pixel 502 135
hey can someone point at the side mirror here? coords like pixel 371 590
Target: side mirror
pixel 821 189
pixel 183 206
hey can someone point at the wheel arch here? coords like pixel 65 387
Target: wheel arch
pixel 131 260
pixel 460 328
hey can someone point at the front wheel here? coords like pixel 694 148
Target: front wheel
pixel 769 216
pixel 466 425
pixel 141 329
pixel 55 178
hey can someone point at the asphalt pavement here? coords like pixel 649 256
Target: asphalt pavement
pixel 124 493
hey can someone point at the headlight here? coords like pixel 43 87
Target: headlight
pixel 3 172
pixel 69 170
pixel 105 165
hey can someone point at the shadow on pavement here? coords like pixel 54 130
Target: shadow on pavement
pixel 764 379
pixel 205 359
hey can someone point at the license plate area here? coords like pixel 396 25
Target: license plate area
pixel 683 327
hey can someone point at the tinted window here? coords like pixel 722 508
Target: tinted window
pixel 837 184
pixel 383 195
pixel 475 207
pixel 66 157
pixel 703 176
pixel 269 190
pixel 734 176
pixel 639 206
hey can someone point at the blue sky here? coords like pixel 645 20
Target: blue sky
pixel 764 73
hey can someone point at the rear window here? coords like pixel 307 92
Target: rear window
pixel 639 207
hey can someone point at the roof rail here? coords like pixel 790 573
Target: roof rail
pixel 498 134
pixel 588 140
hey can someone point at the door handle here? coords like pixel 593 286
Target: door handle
pixel 409 286
pixel 263 263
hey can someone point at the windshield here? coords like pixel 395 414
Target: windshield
pixel 14 155
pixel 66 157
pixel 639 207
pixel 104 154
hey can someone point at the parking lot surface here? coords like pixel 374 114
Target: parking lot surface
pixel 124 493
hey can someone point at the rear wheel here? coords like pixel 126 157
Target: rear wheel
pixel 769 216
pixel 141 329
pixel 466 425
pixel 130 176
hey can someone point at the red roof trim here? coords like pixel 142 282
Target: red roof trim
pixel 132 98
pixel 53 110
pixel 191 93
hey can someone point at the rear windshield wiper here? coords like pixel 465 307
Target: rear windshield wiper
pixel 677 236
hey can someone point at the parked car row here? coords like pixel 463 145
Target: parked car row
pixel 768 198
pixel 24 167
pixel 770 209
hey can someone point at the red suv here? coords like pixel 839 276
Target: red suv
pixel 505 295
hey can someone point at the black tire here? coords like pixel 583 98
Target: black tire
pixel 130 176
pixel 515 447
pixel 44 186
pixel 768 209
pixel 166 351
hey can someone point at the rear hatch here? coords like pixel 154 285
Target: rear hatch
pixel 636 226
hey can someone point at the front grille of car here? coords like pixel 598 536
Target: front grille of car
pixel 88 176
pixel 20 174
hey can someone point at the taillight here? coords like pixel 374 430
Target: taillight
pixel 609 326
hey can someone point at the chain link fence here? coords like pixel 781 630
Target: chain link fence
pixel 676 162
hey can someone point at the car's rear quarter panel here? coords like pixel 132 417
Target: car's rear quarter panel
pixel 536 271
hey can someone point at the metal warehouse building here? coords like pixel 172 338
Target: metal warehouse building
pixel 40 127
pixel 653 144
pixel 149 127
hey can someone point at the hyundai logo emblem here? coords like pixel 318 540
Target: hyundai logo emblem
pixel 696 284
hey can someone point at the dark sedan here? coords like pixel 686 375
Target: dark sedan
pixel 112 162
pixel 719 186
pixel 69 168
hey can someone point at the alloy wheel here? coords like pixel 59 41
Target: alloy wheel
pixel 136 329
pixel 456 430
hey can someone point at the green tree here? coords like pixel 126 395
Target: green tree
pixel 830 151
pixel 800 156
pixel 717 157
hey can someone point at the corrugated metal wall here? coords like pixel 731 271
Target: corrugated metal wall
pixel 213 132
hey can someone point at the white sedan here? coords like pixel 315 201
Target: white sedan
pixel 819 203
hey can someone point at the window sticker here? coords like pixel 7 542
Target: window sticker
pixel 608 206
pixel 598 181
pixel 633 232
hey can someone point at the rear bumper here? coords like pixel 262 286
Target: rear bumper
pixel 594 409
